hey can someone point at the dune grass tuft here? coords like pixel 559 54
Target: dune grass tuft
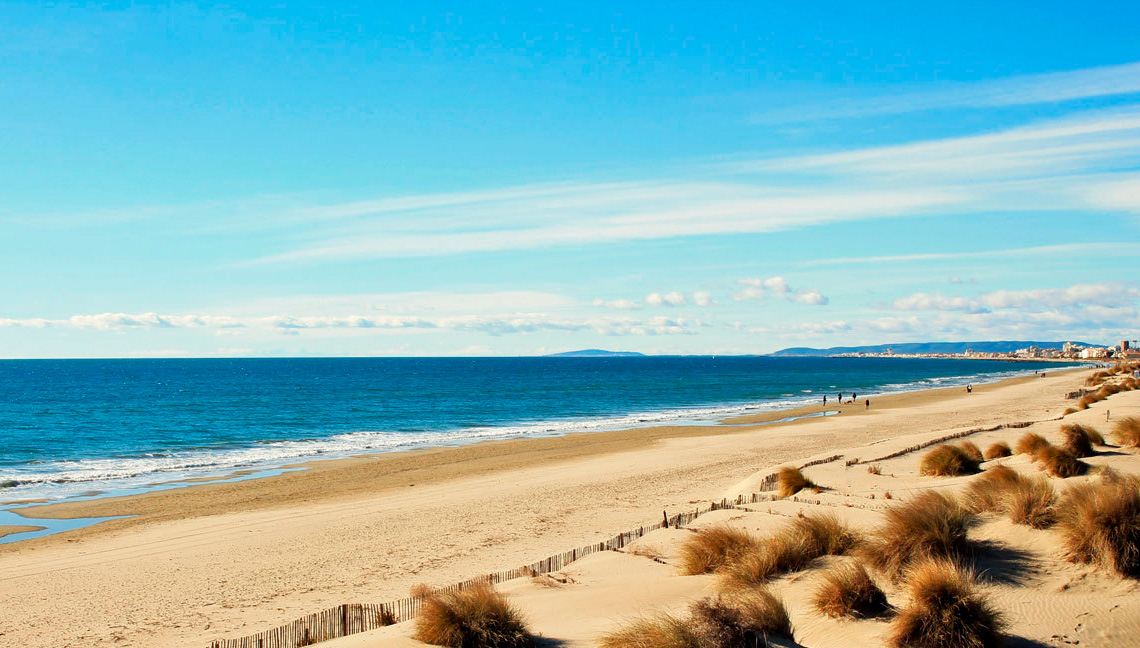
pixel 1097 378
pixel 997 450
pixel 986 492
pixel 932 525
pixel 791 549
pixel 945 611
pixel 1075 440
pixel 790 480
pixel 737 619
pixel 1060 463
pixel 1031 502
pixel 1095 437
pixel 1027 500
pixel 710 548
pixel 477 617
pixel 1069 410
pixel 1100 523
pixel 1030 443
pixel 848 591
pixel 659 631
pixel 948 461
pixel 972 451
pixel 824 534
pixel 1126 432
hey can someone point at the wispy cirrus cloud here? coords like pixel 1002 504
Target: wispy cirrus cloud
pixel 1063 164
pixel 1020 90
pixel 1081 163
pixel 1101 248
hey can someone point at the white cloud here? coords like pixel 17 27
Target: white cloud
pixel 617 304
pixel 1104 248
pixel 1082 144
pixel 673 298
pixel 937 301
pixel 1059 164
pixel 705 299
pixel 811 298
pixel 1111 294
pixel 1104 81
pixel 494 325
pixel 755 289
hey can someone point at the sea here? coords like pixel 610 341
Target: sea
pixel 90 428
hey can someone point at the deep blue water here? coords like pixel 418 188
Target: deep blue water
pixel 68 426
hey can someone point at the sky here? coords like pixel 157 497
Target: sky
pixel 425 179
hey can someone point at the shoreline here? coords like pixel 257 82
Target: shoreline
pixel 731 413
pixel 346 477
pixel 231 559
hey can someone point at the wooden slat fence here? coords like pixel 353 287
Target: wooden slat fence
pixel 948 437
pixel 351 618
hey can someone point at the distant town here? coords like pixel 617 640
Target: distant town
pixel 1123 351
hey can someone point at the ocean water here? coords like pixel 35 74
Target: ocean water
pixel 69 427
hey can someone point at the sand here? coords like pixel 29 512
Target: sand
pixel 226 559
pixel 9 529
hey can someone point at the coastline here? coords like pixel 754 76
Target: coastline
pixel 229 559
pixel 138 470
pixel 340 478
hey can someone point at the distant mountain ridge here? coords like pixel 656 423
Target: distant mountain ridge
pixel 595 353
pixel 1001 346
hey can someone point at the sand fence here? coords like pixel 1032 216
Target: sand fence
pixel 352 618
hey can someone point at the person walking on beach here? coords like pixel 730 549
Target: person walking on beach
pixel 825 399
pixel 868 403
pixel 854 397
pixel 969 389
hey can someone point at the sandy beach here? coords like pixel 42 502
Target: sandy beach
pixel 221 560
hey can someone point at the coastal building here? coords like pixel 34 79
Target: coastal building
pixel 1094 352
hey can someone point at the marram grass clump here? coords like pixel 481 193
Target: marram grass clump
pixel 1076 440
pixel 712 547
pixel 737 619
pixel 972 451
pixel 1100 523
pixel 1026 500
pixel 1126 432
pixel 477 617
pixel 790 480
pixel 1030 443
pixel 791 549
pixel 847 591
pixel 986 492
pixel 945 611
pixel 932 525
pixel 949 461
pixel 657 631
pixel 997 450
pixel 1059 462
pixel 1031 502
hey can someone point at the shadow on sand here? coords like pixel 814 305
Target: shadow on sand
pixel 996 562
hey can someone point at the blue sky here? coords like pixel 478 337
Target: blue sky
pixel 429 179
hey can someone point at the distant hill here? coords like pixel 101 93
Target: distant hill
pixel 1003 346
pixel 595 353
